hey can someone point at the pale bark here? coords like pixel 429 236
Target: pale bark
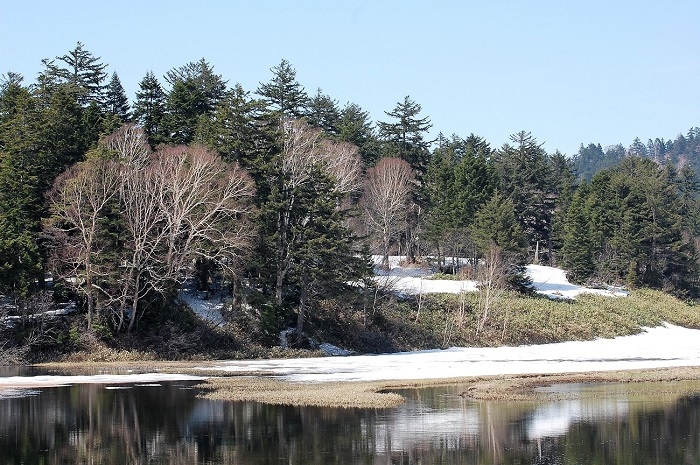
pixel 77 202
pixel 385 201
pixel 305 151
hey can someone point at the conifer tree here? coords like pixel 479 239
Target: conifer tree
pixel 498 235
pixel 525 175
pixel 283 93
pixel 578 245
pixel 116 101
pixel 195 93
pixel 81 71
pixel 210 87
pixel 149 109
pixel 323 113
pixel 356 128
pixel 403 136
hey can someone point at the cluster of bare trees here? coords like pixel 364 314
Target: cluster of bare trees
pixel 385 201
pixel 127 223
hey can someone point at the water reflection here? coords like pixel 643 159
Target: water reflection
pixel 168 424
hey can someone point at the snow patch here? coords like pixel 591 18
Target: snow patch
pixel 210 310
pixel 546 280
pixel 14 382
pixel 664 346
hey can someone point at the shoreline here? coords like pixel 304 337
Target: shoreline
pixel 380 394
pixel 265 388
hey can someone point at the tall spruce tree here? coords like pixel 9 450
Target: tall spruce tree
pixel 356 127
pixel 79 69
pixel 210 87
pixel 195 93
pixel 525 176
pixel 458 181
pixel 578 245
pixel 323 113
pixel 116 101
pixel 241 131
pixel 149 108
pixel 283 92
pixel 404 135
pixel 498 235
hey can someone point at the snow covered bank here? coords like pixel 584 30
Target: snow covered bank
pixel 665 346
pixel 10 382
pixel 546 280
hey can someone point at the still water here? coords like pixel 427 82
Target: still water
pixel 167 424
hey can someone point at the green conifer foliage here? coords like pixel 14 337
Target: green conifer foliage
pixel 149 109
pixel 116 101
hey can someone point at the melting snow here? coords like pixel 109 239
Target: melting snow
pixel 664 346
pixel 546 280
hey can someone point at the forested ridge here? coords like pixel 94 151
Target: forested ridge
pixel 278 197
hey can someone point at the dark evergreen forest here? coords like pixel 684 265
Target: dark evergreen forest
pixel 279 197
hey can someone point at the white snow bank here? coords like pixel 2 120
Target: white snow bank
pixel 552 282
pixel 53 381
pixel 664 346
pixel 546 280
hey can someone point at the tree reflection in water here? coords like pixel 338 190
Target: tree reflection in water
pixel 168 424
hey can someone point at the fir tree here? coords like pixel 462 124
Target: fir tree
pixel 323 113
pixel 578 245
pixel 81 71
pixel 149 108
pixel 116 101
pixel 283 93
pixel 356 127
pixel 404 135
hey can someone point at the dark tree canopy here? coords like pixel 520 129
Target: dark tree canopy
pixel 81 71
pixel 116 101
pixel 403 136
pixel 283 93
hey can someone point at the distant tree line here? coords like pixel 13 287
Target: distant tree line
pixel 282 196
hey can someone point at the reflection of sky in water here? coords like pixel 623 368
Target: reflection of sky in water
pixel 555 418
pixel 414 425
pixel 434 426
pixel 449 421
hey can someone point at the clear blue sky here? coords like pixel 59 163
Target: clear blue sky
pixel 568 72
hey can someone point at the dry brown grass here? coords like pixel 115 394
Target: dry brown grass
pixel 271 391
pixel 379 394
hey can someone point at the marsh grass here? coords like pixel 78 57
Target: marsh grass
pixel 519 319
pixel 271 391
pixel 381 394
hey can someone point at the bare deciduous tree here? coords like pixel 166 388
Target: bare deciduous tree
pixel 173 206
pixel 491 278
pixel 130 143
pixel 385 201
pixel 77 203
pixel 186 203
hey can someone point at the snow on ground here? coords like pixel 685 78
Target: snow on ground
pixel 207 309
pixel 664 346
pixel 11 383
pixel 415 280
pixel 552 282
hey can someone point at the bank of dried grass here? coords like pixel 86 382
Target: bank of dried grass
pixel 382 394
